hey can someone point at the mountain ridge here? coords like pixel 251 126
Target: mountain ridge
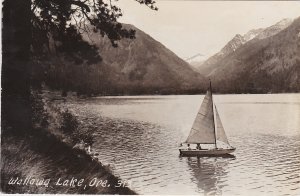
pixel 137 66
pixel 264 65
pixel 237 41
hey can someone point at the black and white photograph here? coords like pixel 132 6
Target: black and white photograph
pixel 150 97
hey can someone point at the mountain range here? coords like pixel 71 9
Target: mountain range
pixel 269 62
pixel 261 61
pixel 137 66
pixel 208 66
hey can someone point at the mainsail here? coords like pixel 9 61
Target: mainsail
pixel 221 136
pixel 203 128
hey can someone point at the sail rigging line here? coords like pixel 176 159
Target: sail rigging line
pixel 212 106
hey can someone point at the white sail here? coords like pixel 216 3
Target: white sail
pixel 203 127
pixel 221 136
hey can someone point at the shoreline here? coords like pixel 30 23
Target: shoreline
pixel 46 160
pixel 56 167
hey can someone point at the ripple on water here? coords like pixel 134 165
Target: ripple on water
pixel 147 154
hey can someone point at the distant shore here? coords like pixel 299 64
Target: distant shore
pixel 73 94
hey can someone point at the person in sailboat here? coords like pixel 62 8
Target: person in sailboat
pixel 198 147
pixel 189 148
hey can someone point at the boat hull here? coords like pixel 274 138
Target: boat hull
pixel 206 152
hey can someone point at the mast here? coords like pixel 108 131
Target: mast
pixel 212 106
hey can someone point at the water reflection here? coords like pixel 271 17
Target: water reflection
pixel 209 173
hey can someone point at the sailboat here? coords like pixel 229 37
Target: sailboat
pixel 207 129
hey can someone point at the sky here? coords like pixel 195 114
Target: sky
pixel 192 27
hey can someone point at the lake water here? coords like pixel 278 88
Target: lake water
pixel 139 137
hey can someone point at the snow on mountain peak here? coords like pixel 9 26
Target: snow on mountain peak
pixel 274 29
pixel 252 34
pixel 196 58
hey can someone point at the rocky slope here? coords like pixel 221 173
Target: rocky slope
pixel 270 64
pixel 146 63
pixel 207 67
